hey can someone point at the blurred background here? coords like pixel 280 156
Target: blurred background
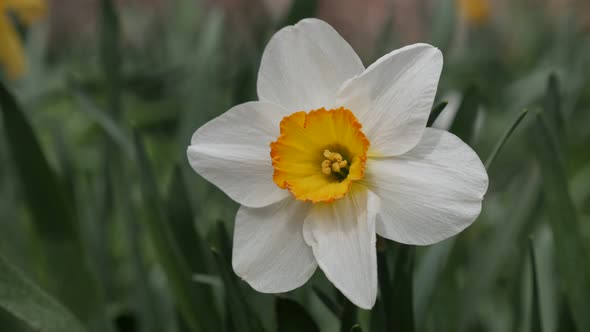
pixel 104 226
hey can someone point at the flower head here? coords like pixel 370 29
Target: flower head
pixel 332 155
pixel 11 50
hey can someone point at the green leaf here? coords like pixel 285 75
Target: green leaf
pixel 191 246
pixel 11 323
pixel 385 287
pixel 356 328
pixel 53 221
pixel 95 203
pixel 44 193
pixel 563 219
pixel 193 300
pixel 464 123
pixel 565 320
pixel 436 112
pixel 27 301
pixel 536 323
pixel 292 317
pixel 504 138
pixel 348 319
pixel 377 318
pixel 207 279
pixel 402 310
pixel 242 317
pixel 332 305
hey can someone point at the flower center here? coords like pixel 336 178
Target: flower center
pixel 319 154
pixel 334 163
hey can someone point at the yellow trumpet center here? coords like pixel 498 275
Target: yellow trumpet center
pixel 319 154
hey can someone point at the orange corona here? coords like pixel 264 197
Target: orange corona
pixel 318 154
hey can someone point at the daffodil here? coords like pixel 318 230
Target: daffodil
pixel 11 51
pixel 332 154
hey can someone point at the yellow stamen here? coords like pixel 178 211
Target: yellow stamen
pixel 336 167
pixel 326 167
pixel 332 156
pixel 333 163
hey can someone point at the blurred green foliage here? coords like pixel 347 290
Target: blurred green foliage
pixel 104 227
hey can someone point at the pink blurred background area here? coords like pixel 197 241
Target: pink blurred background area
pixel 360 22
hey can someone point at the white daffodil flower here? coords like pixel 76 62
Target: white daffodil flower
pixel 333 154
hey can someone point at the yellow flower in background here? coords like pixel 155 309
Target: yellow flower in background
pixel 474 11
pixel 11 50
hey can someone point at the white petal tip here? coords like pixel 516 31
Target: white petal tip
pixel 366 304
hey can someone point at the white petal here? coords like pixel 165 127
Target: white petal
pixel 342 236
pixel 269 250
pixel 432 192
pixel 393 97
pixel 304 65
pixel 232 151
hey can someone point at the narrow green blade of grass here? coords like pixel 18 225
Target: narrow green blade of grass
pixel 402 290
pixel 11 323
pixel 181 218
pixel 110 54
pixel 563 218
pixel 552 105
pixel 105 122
pixel 488 260
pixel 536 324
pixel 53 221
pixel 436 112
pixel 241 315
pixel 223 240
pixel 464 123
pixel 516 299
pixel 146 303
pixel 504 138
pixel 292 317
pixel 192 298
pixel 428 273
pixel 27 301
